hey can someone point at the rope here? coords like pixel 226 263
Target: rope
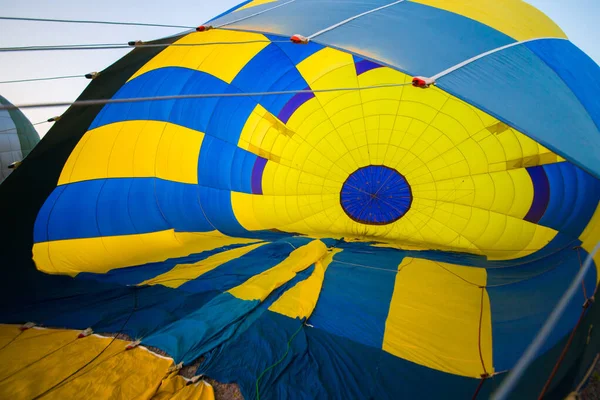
pixel 113 46
pixel 332 27
pixel 52 78
pixel 479 332
pixel 485 374
pixel 527 358
pixel 38 360
pixel 76 21
pixel 82 103
pixel 394 271
pixel 11 340
pixel 478 388
pixel 278 361
pixel 64 47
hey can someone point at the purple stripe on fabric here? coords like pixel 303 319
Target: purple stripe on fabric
pixel 541 194
pixel 257 173
pixel 365 65
pixel 293 104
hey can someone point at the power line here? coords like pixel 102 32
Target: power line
pixel 51 78
pixel 77 21
pixel 95 102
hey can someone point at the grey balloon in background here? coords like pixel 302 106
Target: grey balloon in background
pixel 17 138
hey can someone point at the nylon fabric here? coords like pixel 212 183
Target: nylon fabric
pixel 515 18
pixel 514 326
pixel 348 369
pixel 102 254
pixel 254 3
pixel 353 38
pixel 55 364
pixel 543 121
pixel 228 275
pixel 300 301
pixel 455 307
pixel 355 300
pixel 356 243
pixel 183 273
pixel 259 286
pixel 481 139
pixel 175 387
pixel 135 149
pixel 207 59
pixel 205 334
pixel 575 68
pixel 591 235
pixel 402 21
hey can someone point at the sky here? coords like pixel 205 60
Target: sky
pixel 578 18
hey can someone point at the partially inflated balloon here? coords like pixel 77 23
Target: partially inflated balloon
pixel 310 223
pixel 17 138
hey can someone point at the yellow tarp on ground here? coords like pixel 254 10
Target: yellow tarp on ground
pixel 55 364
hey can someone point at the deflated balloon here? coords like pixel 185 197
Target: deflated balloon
pixel 309 223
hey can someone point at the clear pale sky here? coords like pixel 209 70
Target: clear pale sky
pixel 578 18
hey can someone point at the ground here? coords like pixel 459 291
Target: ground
pixel 592 390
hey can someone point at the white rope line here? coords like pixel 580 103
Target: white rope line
pixel 485 54
pixel 255 14
pixel 332 27
pixel 82 103
pixel 131 45
pixel 66 47
pixel 363 266
pixel 75 21
pixel 527 358
pixel 50 78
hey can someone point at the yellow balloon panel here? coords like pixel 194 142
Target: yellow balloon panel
pixel 259 286
pixel 515 18
pixel 301 300
pixel 445 325
pixel 56 364
pixel 470 191
pixel 206 52
pixel 102 254
pixel 135 149
pixel 183 273
pixel 591 237
pixel 255 3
